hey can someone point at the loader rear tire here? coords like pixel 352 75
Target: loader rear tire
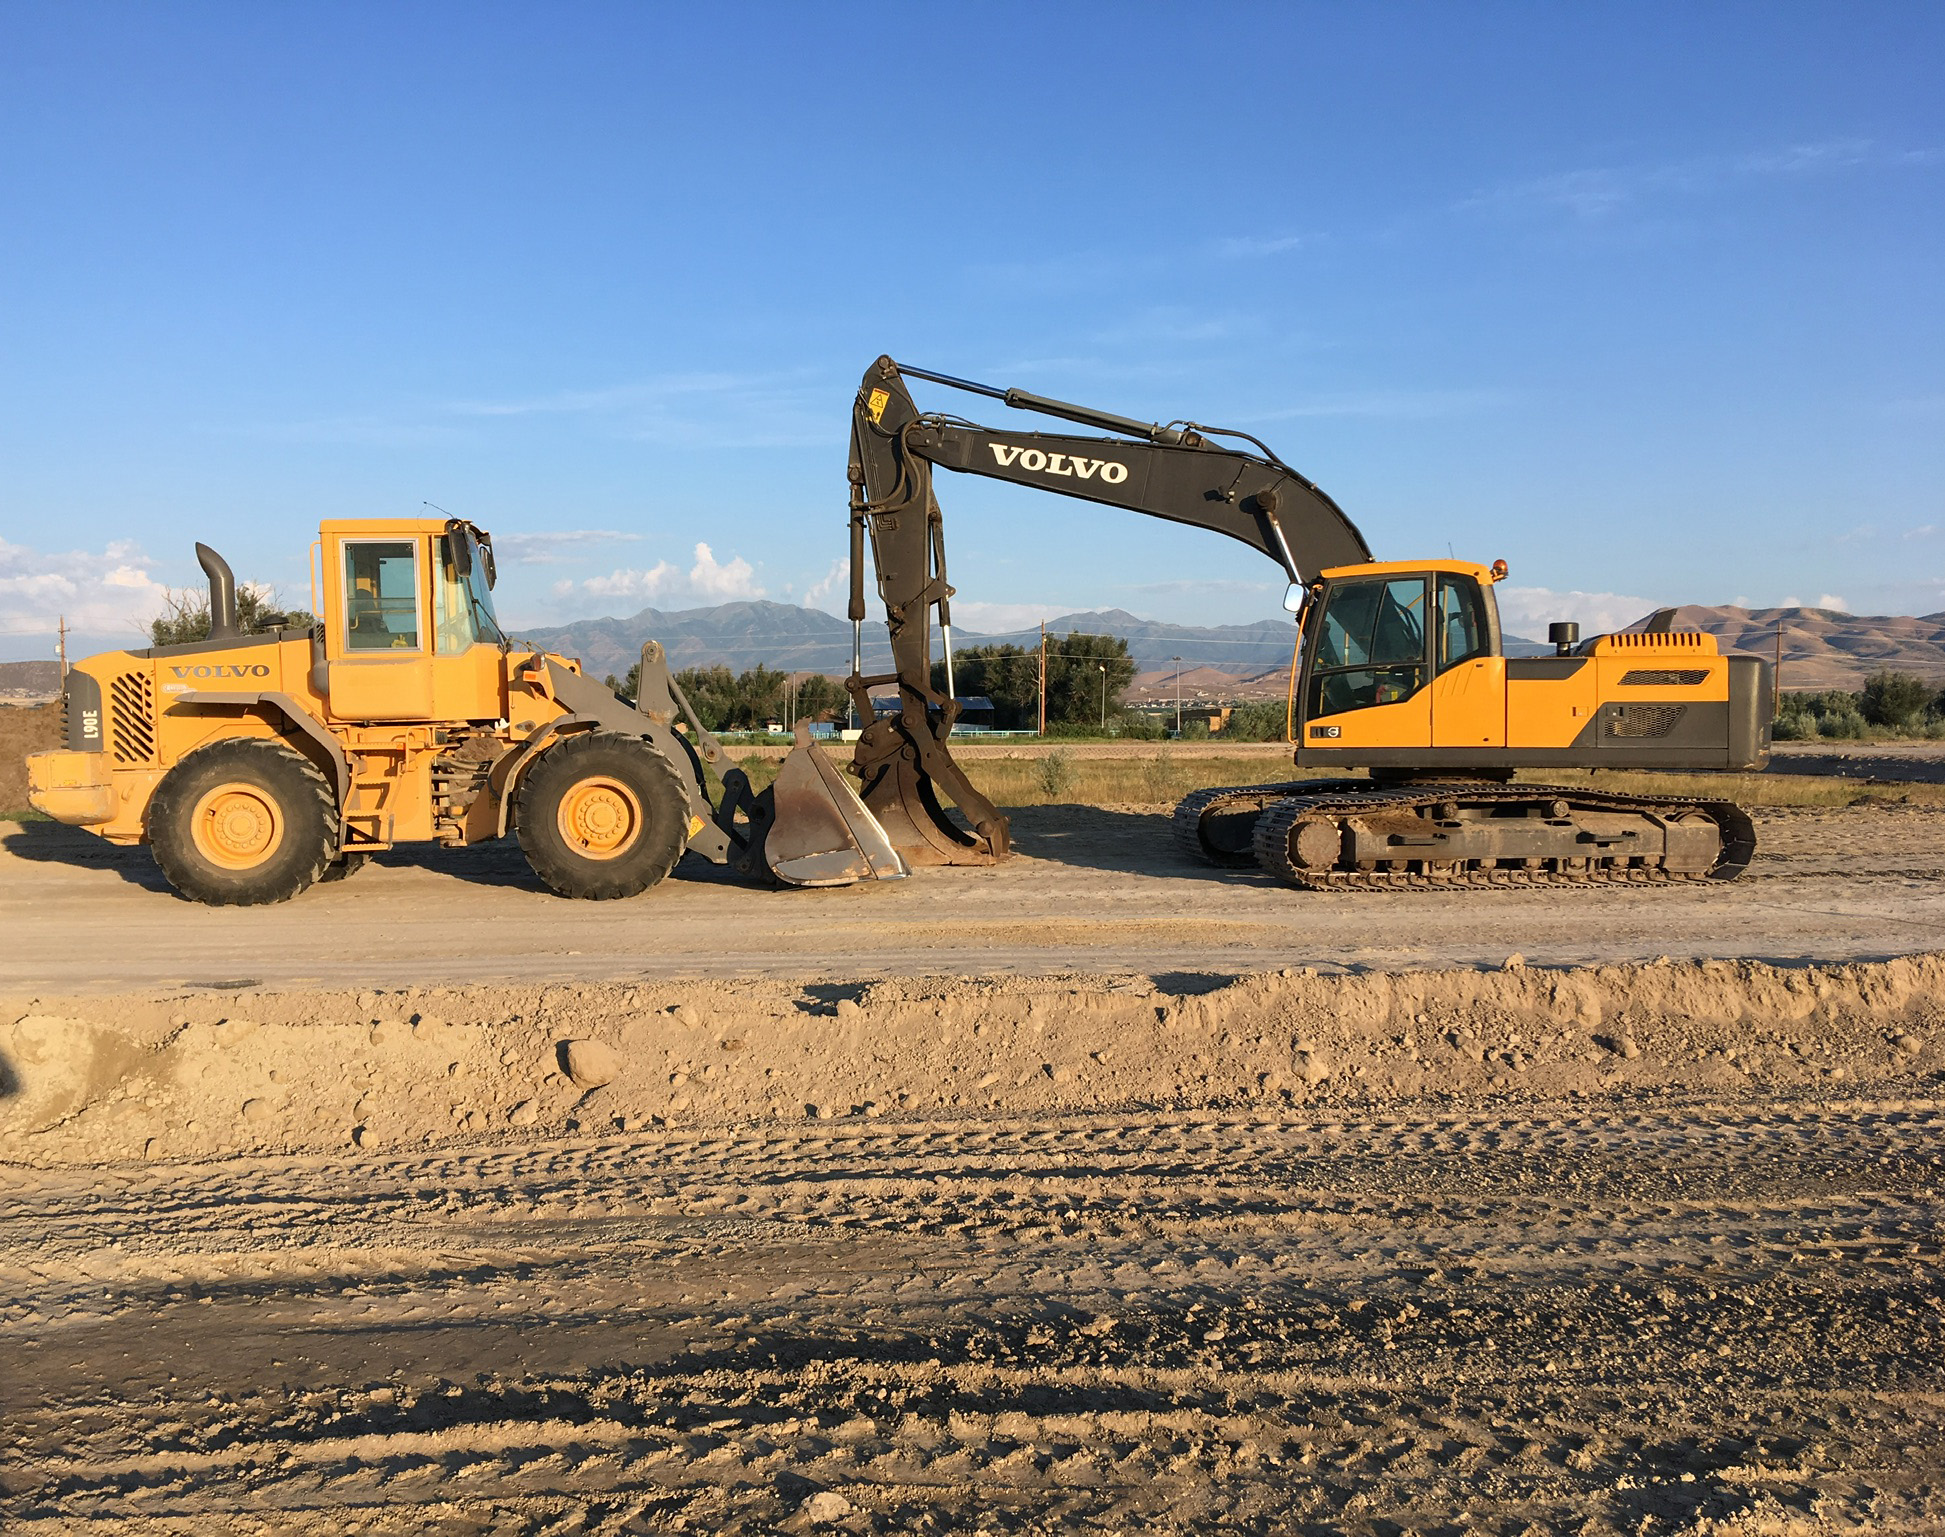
pixel 242 823
pixel 601 815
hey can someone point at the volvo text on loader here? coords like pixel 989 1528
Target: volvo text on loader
pixel 257 764
pixel 1403 675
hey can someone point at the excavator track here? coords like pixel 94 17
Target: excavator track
pixel 1313 839
pixel 1217 825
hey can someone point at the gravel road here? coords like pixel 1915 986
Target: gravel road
pixel 1097 1191
pixel 1697 1314
pixel 1092 889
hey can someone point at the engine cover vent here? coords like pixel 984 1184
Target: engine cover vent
pixel 1639 721
pixel 1664 677
pixel 132 718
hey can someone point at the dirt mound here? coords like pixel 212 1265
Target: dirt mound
pixel 24 729
pixel 181 1076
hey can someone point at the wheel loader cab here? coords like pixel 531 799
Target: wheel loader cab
pixel 1401 655
pixel 409 628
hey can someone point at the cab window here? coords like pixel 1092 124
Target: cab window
pixel 381 594
pixel 1461 621
pixel 462 601
pixel 1370 646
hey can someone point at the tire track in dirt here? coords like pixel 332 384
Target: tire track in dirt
pixel 1614 1317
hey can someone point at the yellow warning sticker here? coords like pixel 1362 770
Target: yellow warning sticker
pixel 695 825
pixel 876 404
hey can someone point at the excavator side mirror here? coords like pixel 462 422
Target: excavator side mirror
pixel 1293 596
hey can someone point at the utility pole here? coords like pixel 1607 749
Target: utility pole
pixel 1178 694
pixel 61 645
pixel 1043 677
pixel 1776 686
pixel 1104 696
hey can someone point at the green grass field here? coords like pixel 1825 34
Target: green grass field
pixel 1165 778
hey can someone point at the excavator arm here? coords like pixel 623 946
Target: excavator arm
pixel 1174 472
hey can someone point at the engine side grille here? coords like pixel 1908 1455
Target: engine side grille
pixel 132 717
pixel 1645 720
pixel 1657 640
pixel 1664 677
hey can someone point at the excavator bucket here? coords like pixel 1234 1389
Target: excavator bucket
pixel 820 833
pixel 901 773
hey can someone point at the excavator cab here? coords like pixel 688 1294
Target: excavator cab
pixel 1404 673
pixel 1401 653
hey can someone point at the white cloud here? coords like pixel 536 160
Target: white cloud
pixel 833 581
pixel 786 408
pixel 1408 405
pixel 713 579
pixel 1527 611
pixel 1595 193
pixel 1208 587
pixel 629 583
pixel 709 579
pixel 106 593
pixel 553 546
pixel 1832 601
pixel 1923 531
pixel 1255 245
pixel 1003 618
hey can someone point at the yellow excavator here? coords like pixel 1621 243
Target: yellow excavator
pixel 1403 675
pixel 257 764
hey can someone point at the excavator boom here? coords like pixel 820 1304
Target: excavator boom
pixel 1174 472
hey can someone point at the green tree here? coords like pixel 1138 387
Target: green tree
pixel 185 616
pixel 1260 720
pixel 1078 665
pixel 1895 699
pixel 727 701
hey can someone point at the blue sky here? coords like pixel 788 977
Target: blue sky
pixel 1645 299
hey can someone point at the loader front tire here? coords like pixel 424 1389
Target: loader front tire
pixel 242 823
pixel 601 815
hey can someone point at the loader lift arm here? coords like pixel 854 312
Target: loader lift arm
pixel 1174 472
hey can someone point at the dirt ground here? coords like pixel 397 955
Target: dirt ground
pixel 1094 889
pixel 1093 1192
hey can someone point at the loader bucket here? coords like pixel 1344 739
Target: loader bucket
pixel 821 834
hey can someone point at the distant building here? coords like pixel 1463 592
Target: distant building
pixel 974 709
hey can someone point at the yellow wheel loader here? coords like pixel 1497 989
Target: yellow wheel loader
pixel 1404 675
pixel 255 765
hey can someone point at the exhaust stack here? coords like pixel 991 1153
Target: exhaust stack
pixel 222 593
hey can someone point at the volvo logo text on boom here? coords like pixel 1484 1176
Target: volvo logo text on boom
pixel 1073 465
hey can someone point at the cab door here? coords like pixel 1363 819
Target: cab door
pixel 1367 683
pixel 1469 687
pixel 377 662
pixel 468 671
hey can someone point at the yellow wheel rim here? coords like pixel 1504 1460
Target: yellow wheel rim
pixel 600 818
pixel 237 826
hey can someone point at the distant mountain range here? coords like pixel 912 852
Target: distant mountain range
pixel 796 639
pixel 28 682
pixel 1822 648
